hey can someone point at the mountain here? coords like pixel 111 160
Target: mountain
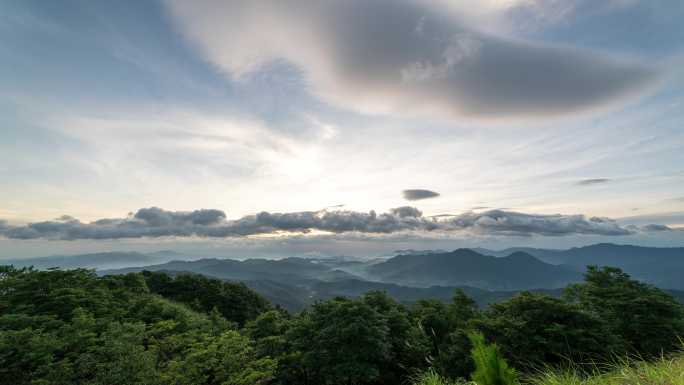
pixel 487 276
pixel 292 297
pixel 465 267
pixel 108 260
pixel 506 252
pixel 288 270
pixel 661 266
pixel 407 295
pixel 295 298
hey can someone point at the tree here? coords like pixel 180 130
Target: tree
pixel 228 359
pixel 73 327
pixel 235 301
pixel 408 345
pixel 341 341
pixel 533 329
pixel 118 356
pixel 268 333
pixel 647 319
pixel 447 327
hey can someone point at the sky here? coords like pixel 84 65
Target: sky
pixel 284 127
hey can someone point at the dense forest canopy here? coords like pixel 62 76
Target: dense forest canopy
pixel 73 327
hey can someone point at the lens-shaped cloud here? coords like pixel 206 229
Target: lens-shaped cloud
pixel 593 181
pixel 418 194
pixel 406 57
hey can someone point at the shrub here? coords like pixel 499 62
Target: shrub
pixel 490 366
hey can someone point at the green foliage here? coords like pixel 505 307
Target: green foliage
pixel 647 319
pixel 408 345
pixel 370 340
pixel 534 329
pixel 345 343
pixel 227 359
pixel 446 327
pixel 235 301
pixel 490 366
pixel 73 327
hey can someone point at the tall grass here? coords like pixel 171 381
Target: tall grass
pixel 431 377
pixel 492 369
pixel 665 371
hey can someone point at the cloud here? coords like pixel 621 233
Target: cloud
pixel 593 181
pixel 499 222
pixel 673 219
pixel 156 222
pixel 418 194
pixel 406 211
pixel 157 217
pixel 407 57
pixel 654 228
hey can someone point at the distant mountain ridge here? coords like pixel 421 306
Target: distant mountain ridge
pixel 486 275
pixel 286 270
pixel 106 260
pixel 465 267
pixel 661 266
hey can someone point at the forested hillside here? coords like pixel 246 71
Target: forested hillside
pixel 73 327
pixel 295 283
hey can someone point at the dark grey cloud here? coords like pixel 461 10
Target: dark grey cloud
pixel 407 56
pixel 513 223
pixel 655 228
pixel 418 194
pixel 406 211
pixel 593 181
pixel 155 216
pixel 155 222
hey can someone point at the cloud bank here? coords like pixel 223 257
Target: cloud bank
pixel 156 222
pixel 406 57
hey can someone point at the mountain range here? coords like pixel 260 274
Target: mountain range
pixel 661 266
pixel 106 260
pixel 486 275
pixel 517 271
